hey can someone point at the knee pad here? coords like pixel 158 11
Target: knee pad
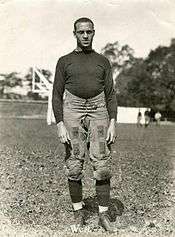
pixel 74 169
pixel 102 174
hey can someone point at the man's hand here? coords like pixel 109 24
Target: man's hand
pixel 63 133
pixel 111 132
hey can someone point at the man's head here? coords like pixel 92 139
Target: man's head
pixel 84 33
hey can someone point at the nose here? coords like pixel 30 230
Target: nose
pixel 85 35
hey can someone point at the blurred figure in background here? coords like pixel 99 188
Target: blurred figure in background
pixel 157 117
pixel 147 117
pixel 152 115
pixel 139 119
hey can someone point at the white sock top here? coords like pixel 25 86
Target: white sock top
pixel 77 206
pixel 102 209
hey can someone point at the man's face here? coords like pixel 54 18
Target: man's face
pixel 84 34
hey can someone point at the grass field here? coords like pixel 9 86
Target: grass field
pixel 34 200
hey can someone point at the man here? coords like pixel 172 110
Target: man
pixel 147 117
pixel 139 119
pixel 157 117
pixel 84 105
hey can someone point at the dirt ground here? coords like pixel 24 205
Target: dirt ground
pixel 34 199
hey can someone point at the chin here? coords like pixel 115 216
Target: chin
pixel 86 46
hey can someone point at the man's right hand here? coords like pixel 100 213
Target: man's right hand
pixel 63 133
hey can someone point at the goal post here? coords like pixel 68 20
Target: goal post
pixel 41 85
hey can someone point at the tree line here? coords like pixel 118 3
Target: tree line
pixel 148 82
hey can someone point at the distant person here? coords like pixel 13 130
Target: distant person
pixel 157 117
pixel 152 115
pixel 85 108
pixel 147 117
pixel 139 119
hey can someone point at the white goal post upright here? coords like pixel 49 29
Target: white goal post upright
pixel 41 85
pixel 50 114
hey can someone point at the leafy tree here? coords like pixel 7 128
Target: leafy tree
pixel 150 82
pixel 2 85
pixel 28 77
pixel 128 82
pixel 12 79
pixel 120 57
pixel 161 66
pixel 140 87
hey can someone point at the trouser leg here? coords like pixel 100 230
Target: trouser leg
pixel 75 152
pixel 100 158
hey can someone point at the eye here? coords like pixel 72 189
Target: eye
pixel 89 32
pixel 80 32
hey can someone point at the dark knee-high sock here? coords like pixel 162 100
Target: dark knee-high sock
pixel 103 192
pixel 75 190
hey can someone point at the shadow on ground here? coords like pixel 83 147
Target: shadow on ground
pixel 116 207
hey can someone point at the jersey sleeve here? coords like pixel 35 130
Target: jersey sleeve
pixel 58 90
pixel 110 94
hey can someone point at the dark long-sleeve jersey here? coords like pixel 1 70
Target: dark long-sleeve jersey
pixel 84 74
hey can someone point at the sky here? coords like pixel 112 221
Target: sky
pixel 38 32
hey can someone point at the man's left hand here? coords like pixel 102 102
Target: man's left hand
pixel 111 132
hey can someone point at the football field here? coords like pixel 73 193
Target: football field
pixel 34 199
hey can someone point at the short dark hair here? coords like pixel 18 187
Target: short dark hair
pixel 83 19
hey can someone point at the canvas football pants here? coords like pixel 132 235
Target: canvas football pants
pixel 87 123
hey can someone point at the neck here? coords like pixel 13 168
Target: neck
pixel 79 49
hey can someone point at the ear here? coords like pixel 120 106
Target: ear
pixel 93 32
pixel 74 33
